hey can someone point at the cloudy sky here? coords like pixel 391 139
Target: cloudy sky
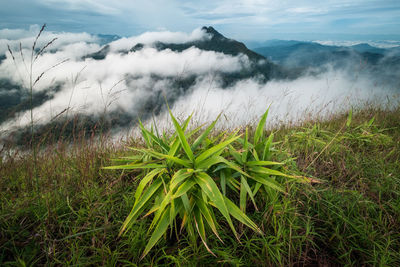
pixel 243 20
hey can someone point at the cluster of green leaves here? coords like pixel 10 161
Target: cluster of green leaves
pixel 184 179
pixel 314 140
pixel 367 134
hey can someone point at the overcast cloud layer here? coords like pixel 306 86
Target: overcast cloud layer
pixel 239 19
pixel 126 80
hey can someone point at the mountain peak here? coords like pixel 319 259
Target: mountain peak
pixel 215 34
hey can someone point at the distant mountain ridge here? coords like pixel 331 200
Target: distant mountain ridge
pixel 216 42
pixel 311 54
pixel 279 50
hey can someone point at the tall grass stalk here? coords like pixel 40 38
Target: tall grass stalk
pixel 34 55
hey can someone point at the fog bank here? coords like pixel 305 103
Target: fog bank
pixel 136 82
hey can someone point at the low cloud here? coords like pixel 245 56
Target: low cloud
pixel 15 37
pixel 291 102
pixel 163 36
pixel 122 80
pixel 133 81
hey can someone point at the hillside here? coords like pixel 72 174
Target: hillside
pixel 70 210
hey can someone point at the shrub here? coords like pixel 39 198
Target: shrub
pixel 183 182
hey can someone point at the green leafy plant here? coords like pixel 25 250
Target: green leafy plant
pixel 253 157
pixel 184 179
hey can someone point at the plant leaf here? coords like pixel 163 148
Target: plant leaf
pixel 223 182
pixel 242 196
pixel 135 166
pixel 200 229
pixel 184 187
pixel 182 138
pixel 145 180
pixel 144 134
pixel 245 146
pixel 160 229
pixel 206 164
pixel 164 203
pixel 200 139
pixel 179 177
pixel 246 187
pixel 209 187
pixel 140 204
pixel 158 155
pixel 270 183
pixel 213 150
pixel 267 146
pixel 260 127
pixel 235 154
pixel 240 216
pixel 262 163
pixel 349 118
pixel 207 215
pixel 267 171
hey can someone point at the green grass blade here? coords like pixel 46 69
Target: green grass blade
pixel 209 187
pixel 242 196
pixel 223 182
pixel 186 122
pixel 184 187
pixel 182 138
pixel 349 118
pixel 206 164
pixel 255 154
pixel 158 155
pixel 179 177
pixel 201 138
pixel 140 204
pixel 186 204
pixel 144 134
pixel 240 216
pixel 265 181
pixel 175 144
pixel 260 127
pixel 213 150
pixel 267 147
pixel 246 187
pixel 233 166
pixel 200 229
pixel 256 188
pixel 174 147
pixel 207 215
pixel 159 230
pixel 267 171
pixel 144 181
pixel 164 203
pixel 135 166
pixel 262 163
pixel 157 140
pixel 236 155
pixel 245 146
pixel 131 158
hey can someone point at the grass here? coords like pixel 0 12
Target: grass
pixel 348 215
